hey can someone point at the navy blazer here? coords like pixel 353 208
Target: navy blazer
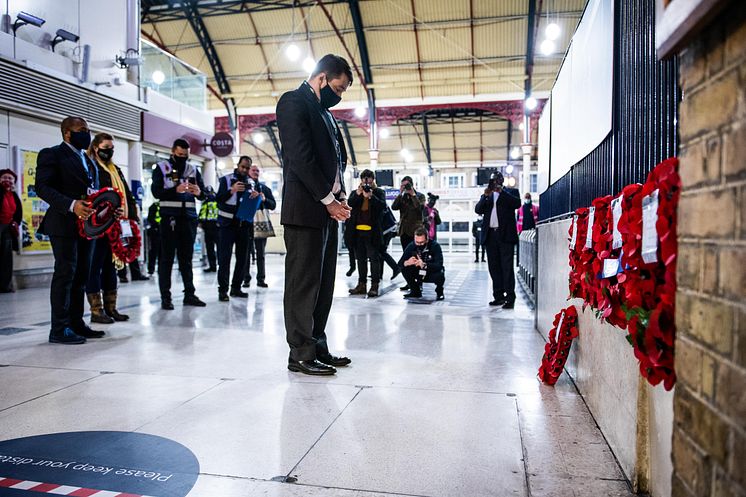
pixel 60 179
pixel 309 157
pixel 507 203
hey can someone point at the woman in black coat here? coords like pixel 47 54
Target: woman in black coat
pixel 11 213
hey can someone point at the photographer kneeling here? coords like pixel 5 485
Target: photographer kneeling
pixel 422 262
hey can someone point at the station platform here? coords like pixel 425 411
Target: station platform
pixel 441 399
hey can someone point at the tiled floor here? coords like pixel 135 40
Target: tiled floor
pixel 441 400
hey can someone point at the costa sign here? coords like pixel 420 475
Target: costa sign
pixel 222 144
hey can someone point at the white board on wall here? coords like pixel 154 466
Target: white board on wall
pixel 582 96
pixel 544 146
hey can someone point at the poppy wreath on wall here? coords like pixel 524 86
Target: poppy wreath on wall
pixel 564 330
pixel 623 265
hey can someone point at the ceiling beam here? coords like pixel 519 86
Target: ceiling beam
pixel 350 147
pixel 275 143
pixel 191 12
pixel 417 45
pixel 362 46
pixel 428 154
pixel 163 11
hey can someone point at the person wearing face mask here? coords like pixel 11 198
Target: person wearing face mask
pixel 233 231
pixel 11 213
pixel 177 183
pixel 103 273
pixel 528 214
pixel 500 236
pixel 313 203
pixel 65 176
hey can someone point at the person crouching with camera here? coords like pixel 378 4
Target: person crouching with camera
pixel 422 262
pixel 368 203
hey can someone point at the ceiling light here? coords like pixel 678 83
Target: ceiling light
pixel 384 133
pixel 360 111
pixel 509 168
pixel 547 47
pixel 552 31
pixel 511 181
pixel 292 52
pixel 309 65
pixel 404 152
pixel 257 138
pixel 158 77
pixel 514 154
pixel 531 103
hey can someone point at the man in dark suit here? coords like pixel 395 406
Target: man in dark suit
pixel 368 203
pixel 313 202
pixel 65 175
pixel 499 235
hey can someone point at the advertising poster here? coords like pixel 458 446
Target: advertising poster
pixel 33 207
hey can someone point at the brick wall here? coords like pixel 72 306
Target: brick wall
pixel 709 438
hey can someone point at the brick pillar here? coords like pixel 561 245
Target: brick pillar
pixel 709 437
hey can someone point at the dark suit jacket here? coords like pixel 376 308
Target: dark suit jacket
pixel 309 156
pixel 376 204
pixel 60 179
pixel 433 258
pixel 507 203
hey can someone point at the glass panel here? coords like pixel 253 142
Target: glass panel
pixel 173 78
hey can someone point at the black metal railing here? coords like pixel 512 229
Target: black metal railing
pixel 644 130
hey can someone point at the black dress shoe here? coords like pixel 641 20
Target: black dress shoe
pixel 509 304
pixel 314 368
pixel 210 270
pixel 413 295
pixel 193 300
pixel 246 284
pixel 404 288
pixel 223 297
pixel 397 272
pixel 497 302
pixel 86 332
pixel 239 293
pixel 67 337
pixel 262 284
pixel 350 271
pixel 439 295
pixel 140 277
pixel 167 305
pixel 332 360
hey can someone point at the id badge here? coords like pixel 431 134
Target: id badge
pixel 91 191
pixel 126 228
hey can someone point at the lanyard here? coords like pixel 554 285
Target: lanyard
pixel 92 177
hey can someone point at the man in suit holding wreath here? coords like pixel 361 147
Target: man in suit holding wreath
pixel 65 176
pixel 313 203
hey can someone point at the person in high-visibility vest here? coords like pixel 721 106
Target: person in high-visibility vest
pixel 208 221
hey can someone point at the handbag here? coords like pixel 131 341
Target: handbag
pixel 262 224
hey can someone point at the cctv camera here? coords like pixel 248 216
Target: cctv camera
pixel 63 35
pixel 23 18
pixel 67 36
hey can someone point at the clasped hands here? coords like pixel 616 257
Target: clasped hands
pixel 339 211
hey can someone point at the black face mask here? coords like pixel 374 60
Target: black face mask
pixel 328 98
pixel 105 154
pixel 240 177
pixel 179 162
pixel 80 139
